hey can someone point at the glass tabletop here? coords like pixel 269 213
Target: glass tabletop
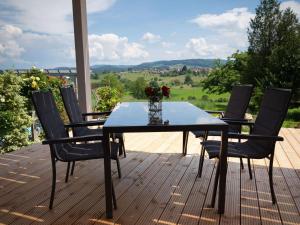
pixel 137 114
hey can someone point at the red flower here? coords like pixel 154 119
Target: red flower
pixel 149 91
pixel 165 91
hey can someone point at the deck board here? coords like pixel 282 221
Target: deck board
pixel 158 186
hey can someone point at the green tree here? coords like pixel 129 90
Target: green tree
pixel 14 118
pixel 112 81
pixel 224 76
pixel 262 36
pixel 285 57
pixel 138 88
pixel 188 80
pixel 273 49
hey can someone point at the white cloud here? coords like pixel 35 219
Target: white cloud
pixel 166 44
pixel 200 47
pixel 237 18
pixel 24 48
pixel 9 48
pixel 227 33
pixel 151 38
pixel 46 16
pixel 295 6
pixel 111 47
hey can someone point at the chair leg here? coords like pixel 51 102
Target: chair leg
pixel 119 168
pixel 213 199
pixel 67 173
pixel 201 161
pixel 242 164
pixel 249 168
pixel 271 179
pixel 53 182
pixel 114 196
pixel 122 147
pixel 185 142
pixel 73 167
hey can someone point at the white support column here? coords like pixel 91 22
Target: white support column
pixel 82 54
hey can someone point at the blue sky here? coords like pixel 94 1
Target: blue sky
pixel 40 32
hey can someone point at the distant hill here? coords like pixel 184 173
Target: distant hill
pixel 164 64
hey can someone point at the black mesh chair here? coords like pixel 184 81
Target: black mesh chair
pixel 62 147
pixel 263 137
pixel 236 109
pixel 76 116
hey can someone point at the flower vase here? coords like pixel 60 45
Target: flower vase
pixel 155 111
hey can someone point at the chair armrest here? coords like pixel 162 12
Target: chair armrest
pixel 73 139
pixel 255 137
pixel 232 119
pixel 215 112
pixel 85 124
pixel 238 122
pixel 96 113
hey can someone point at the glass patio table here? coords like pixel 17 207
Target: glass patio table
pixel 175 116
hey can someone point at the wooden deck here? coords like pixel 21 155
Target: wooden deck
pixel 159 186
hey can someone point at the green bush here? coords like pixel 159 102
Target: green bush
pixel 14 118
pixel 106 98
pixel 36 79
pixel 138 88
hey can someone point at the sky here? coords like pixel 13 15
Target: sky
pixel 40 32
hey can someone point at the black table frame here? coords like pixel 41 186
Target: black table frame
pixel 108 131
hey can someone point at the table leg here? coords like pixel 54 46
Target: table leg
pixel 184 142
pixel 107 174
pixel 223 171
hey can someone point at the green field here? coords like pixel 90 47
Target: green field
pixel 196 96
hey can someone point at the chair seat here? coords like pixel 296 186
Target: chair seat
pixel 235 149
pixel 201 133
pixel 76 152
pixel 87 131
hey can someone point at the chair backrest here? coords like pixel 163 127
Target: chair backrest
pixel 71 104
pixel 271 115
pixel 48 114
pixel 238 101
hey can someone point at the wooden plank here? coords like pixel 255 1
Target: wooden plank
pixel 160 200
pixel 232 204
pixel 208 214
pixel 291 140
pixel 289 173
pixel 175 206
pixel 288 210
pixel 295 133
pixel 269 212
pixel 141 202
pixel 193 207
pixel 133 212
pixel 250 214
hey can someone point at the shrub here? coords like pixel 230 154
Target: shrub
pixel 204 98
pixel 14 118
pixel 191 98
pixel 36 79
pixel 106 98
